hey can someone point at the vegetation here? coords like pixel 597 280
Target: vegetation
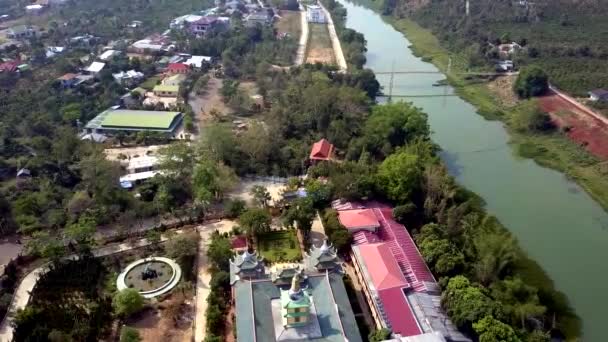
pixel 127 302
pixel 531 81
pixel 279 246
pixel 128 334
pixel 379 335
pixel 183 248
pixel 219 254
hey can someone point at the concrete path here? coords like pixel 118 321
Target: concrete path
pixel 301 54
pixel 335 41
pixel 22 294
pixel 203 277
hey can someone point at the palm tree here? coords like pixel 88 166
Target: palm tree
pixel 495 253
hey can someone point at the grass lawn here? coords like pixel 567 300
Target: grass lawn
pixel 291 23
pixel 150 82
pixel 279 246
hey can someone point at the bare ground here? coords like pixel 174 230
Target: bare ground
pixel 210 99
pixel 156 325
pixel 290 23
pixel 320 49
pixel 503 88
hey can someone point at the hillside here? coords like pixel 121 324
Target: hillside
pixel 566 37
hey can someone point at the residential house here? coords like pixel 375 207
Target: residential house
pixel 154 44
pixel 322 150
pixel 258 18
pixel 22 32
pixel 34 9
pixel 198 61
pixel 162 90
pixel 86 40
pixel 52 51
pixel 401 291
pixel 68 80
pixel 505 66
pixel 599 95
pixel 174 80
pixel 94 137
pixel 508 49
pixel 184 20
pixel 95 68
pixel 109 54
pixel 128 78
pixel 203 25
pixel 315 14
pixel 178 68
pixel 24 173
pixel 9 66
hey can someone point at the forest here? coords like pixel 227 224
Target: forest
pixel 565 37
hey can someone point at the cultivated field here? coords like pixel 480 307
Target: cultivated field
pixel 319 49
pixel 290 23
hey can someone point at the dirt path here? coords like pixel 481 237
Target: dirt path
pixel 210 99
pixel 338 53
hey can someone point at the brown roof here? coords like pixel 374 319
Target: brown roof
pixel 68 76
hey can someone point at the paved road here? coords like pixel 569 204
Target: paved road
pixel 335 41
pixel 22 294
pixel 203 277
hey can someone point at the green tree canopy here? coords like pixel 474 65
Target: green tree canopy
pixel 399 176
pixel 379 335
pixel 219 252
pixel 127 302
pixel 465 303
pixel 128 334
pixel 531 81
pixel 493 330
pixel 255 221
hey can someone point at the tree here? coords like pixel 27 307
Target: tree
pixel 46 245
pixel 529 118
pixel 379 335
pixel 531 81
pixel 81 233
pixel 235 207
pixel 519 300
pixel 496 252
pixel 127 302
pixel 441 255
pixel 183 248
pixel 341 239
pixel 128 334
pixel 490 329
pixel 260 195
pixel 255 221
pixel 177 161
pixel 320 193
pixel 399 176
pixel 301 213
pixel 465 303
pixel 219 252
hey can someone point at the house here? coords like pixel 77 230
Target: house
pixel 22 32
pixel 153 44
pixel 24 173
pixel 315 14
pixel 197 61
pixel 322 150
pixel 135 24
pixel 9 66
pixel 52 51
pixel 401 291
pixel 162 90
pixel 68 80
pixel 184 20
pixel 239 243
pixel 177 68
pixel 128 78
pixel 508 49
pixel 505 66
pixel 86 40
pixel 142 164
pixel 203 25
pixel 109 54
pixel 114 120
pixel 600 95
pixel 94 137
pixel 95 68
pixel 34 9
pixel 292 302
pixel 258 18
pixel 173 80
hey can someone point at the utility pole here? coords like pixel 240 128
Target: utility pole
pixel 467 7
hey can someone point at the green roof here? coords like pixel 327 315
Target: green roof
pixel 166 88
pixel 139 119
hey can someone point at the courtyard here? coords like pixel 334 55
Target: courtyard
pixel 279 246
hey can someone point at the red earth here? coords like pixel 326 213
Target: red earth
pixel 582 126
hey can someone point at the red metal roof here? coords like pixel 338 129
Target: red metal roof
pixel 10 66
pixel 239 242
pixel 364 236
pixel 358 219
pixel 177 67
pixel 321 150
pixel 399 312
pixel 381 266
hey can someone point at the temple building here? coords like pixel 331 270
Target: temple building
pixel 292 302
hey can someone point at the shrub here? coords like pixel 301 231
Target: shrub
pixel 127 302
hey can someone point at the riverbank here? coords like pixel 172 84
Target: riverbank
pixel 554 150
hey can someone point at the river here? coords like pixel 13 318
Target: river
pixel 556 222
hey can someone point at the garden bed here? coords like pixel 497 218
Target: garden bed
pixel 279 246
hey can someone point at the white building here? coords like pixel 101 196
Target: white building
pixel 179 22
pixel 109 54
pixel 95 68
pixel 315 14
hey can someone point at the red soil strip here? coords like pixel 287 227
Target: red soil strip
pixel 584 128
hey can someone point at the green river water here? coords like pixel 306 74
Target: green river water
pixel 556 222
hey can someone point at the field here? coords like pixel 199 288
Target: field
pixel 278 246
pixel 290 23
pixel 581 127
pixel 150 82
pixel 319 49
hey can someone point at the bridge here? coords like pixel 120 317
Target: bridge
pixel 404 72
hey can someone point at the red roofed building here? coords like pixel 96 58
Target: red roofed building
pixel 10 66
pixel 399 287
pixel 358 219
pixel 239 243
pixel 178 68
pixel 321 150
